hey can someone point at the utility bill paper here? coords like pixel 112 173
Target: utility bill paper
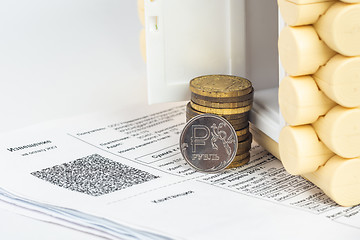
pixel 122 176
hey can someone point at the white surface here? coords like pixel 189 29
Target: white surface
pixel 191 40
pixel 257 201
pixel 14 226
pixel 265 112
pixel 64 58
pixel 226 37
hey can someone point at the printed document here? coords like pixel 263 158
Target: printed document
pixel 122 176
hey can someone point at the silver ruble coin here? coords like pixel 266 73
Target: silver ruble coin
pixel 208 143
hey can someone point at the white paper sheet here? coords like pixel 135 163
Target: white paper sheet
pixel 122 174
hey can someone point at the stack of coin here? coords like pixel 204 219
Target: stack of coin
pixel 230 97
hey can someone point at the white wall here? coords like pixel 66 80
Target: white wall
pixel 61 58
pixel 261 43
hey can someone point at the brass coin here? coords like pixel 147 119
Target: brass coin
pixel 243 131
pixel 188 118
pixel 220 86
pixel 240 126
pixel 239 120
pixel 239 163
pixel 235 126
pixel 246 97
pixel 233 122
pixel 222 105
pixel 243 137
pixel 238 123
pixel 240 160
pixel 241 157
pixel 193 112
pixel 220 111
pixel 244 146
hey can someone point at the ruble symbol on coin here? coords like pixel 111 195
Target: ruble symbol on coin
pixel 200 134
pixel 208 143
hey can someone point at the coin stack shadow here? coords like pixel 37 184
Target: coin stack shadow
pixel 230 97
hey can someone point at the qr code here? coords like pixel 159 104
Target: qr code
pixel 94 175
